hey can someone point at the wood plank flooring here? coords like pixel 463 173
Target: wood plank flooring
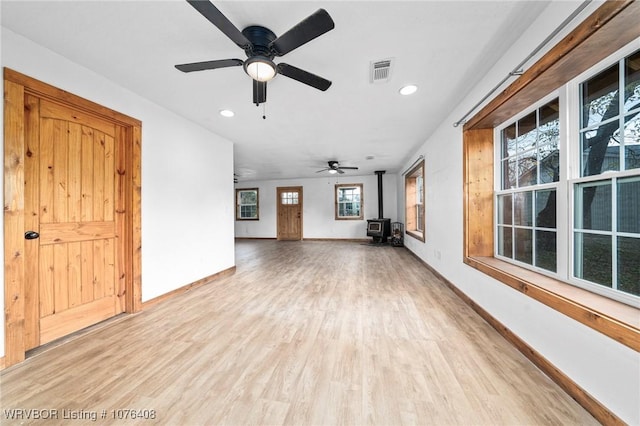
pixel 304 333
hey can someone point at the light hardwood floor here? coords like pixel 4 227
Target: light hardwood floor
pixel 304 333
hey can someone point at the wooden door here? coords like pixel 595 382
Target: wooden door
pixel 289 212
pixel 72 174
pixel 72 268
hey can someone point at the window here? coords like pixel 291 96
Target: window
pixel 349 201
pixel 526 201
pixel 602 252
pixel 559 69
pixel 289 198
pixel 247 204
pixel 414 199
pixel 606 231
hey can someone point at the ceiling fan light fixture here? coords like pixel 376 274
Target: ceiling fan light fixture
pixel 333 171
pixel 260 68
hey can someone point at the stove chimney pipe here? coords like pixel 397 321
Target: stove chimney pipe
pixel 380 203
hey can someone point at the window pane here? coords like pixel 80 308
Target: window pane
pixel 593 206
pixel 509 173
pixel 629 205
pixel 523 208
pixel 593 258
pixel 632 141
pixel 528 169
pixel 546 252
pixel 546 209
pixel 504 209
pixel 248 211
pixel 632 82
pixel 509 141
pixel 524 245
pixel 600 97
pixel 549 163
pixel 248 197
pixel 549 120
pixel 527 132
pixel 629 265
pixel 505 242
pixel 504 174
pixel 349 209
pixel 289 198
pixel 600 149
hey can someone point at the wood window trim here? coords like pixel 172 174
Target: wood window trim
pixel 612 26
pixel 16 85
pixel 257 204
pixel 410 205
pixel 335 194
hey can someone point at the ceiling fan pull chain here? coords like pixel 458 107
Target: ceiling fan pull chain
pixel 264 110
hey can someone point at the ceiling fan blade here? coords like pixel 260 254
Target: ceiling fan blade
pixel 259 92
pixel 209 11
pixel 303 76
pixel 209 65
pixel 306 30
pixel 323 170
pixel 340 171
pixel 349 168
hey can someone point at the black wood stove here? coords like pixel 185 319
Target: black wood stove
pixel 379 229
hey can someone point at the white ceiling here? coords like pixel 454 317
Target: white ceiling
pixel 444 47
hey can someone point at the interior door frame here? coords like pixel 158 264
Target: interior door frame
pixel 16 85
pixel 280 189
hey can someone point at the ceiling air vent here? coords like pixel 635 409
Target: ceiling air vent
pixel 380 71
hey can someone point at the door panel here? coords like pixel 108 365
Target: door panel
pixel 70 188
pixel 289 213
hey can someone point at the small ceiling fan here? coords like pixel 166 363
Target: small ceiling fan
pixel 334 167
pixel 261 45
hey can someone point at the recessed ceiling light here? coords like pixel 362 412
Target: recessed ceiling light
pixel 409 89
pixel 227 113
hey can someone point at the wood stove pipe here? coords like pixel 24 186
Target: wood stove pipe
pixel 380 204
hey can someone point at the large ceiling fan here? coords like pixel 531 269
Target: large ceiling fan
pixel 334 167
pixel 261 45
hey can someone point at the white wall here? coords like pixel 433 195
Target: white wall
pixel 318 207
pixel 187 205
pixel 607 370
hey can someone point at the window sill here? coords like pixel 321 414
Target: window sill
pixel 613 319
pixel 415 234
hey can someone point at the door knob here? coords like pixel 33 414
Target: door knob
pixel 31 235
